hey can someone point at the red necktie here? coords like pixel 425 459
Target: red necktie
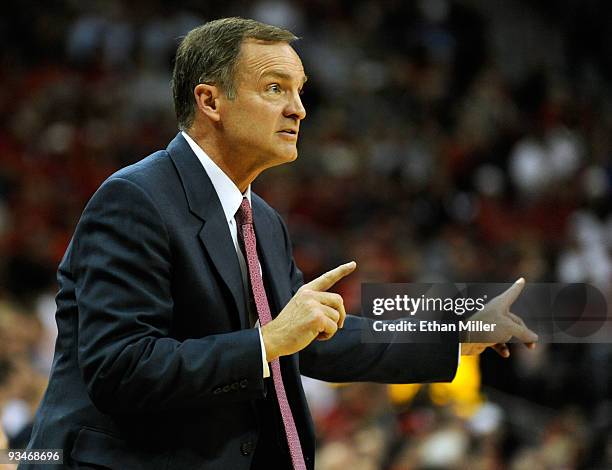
pixel 244 217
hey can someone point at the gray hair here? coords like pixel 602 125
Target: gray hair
pixel 209 54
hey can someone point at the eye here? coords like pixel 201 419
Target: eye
pixel 274 88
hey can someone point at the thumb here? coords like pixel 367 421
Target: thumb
pixel 327 280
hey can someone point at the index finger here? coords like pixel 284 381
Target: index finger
pixel 512 293
pixel 328 279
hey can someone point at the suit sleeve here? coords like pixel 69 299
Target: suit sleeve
pixel 347 358
pixel 122 267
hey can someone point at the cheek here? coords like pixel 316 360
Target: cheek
pixel 262 128
pixel 245 125
pixel 252 131
pixel 256 122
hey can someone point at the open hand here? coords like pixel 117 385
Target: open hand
pixel 507 325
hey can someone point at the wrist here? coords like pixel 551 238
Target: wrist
pixel 272 352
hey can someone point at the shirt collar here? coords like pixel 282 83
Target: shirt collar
pixel 228 193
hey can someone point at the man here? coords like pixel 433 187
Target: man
pixel 167 355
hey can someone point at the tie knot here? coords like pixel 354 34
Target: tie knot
pixel 244 215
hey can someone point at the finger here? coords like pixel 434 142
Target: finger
pixel 518 320
pixel 523 334
pixel 473 349
pixel 513 291
pixel 327 280
pixel 332 300
pixel 502 349
pixel 329 330
pixel 331 313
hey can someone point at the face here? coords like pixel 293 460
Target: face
pixel 261 124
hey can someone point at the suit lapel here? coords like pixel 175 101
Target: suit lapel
pixel 214 234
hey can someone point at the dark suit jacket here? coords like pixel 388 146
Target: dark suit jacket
pixel 155 366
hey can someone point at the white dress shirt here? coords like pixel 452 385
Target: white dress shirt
pixel 231 198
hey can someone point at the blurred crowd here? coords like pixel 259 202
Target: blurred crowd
pixel 445 141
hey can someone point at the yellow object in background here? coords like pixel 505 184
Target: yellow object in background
pixel 462 394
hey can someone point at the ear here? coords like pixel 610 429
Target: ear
pixel 207 100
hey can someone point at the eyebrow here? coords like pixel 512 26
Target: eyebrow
pixel 283 75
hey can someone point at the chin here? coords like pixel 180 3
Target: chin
pixel 285 158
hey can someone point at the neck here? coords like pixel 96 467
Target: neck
pixel 225 158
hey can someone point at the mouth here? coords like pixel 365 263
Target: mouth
pixel 288 132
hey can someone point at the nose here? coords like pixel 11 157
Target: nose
pixel 295 109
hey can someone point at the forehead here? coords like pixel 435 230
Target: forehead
pixel 258 58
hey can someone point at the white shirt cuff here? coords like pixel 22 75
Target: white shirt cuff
pixel 266 367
